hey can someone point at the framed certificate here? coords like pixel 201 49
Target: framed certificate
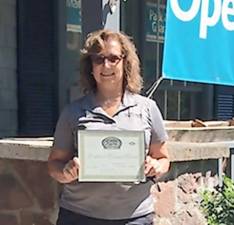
pixel 111 156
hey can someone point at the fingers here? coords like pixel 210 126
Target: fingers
pixel 70 170
pixel 152 167
pixel 147 165
pixel 77 162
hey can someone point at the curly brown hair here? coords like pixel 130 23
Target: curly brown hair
pixel 94 43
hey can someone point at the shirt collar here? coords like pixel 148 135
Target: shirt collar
pixel 88 102
pixel 128 99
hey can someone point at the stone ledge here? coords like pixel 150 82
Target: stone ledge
pixel 30 149
pixel 201 134
pixel 188 151
pixel 38 149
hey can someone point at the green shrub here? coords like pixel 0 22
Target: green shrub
pixel 218 205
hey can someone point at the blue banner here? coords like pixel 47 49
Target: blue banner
pixel 199 41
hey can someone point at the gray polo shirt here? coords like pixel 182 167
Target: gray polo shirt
pixel 110 200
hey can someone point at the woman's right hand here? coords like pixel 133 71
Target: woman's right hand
pixel 71 170
pixel 63 166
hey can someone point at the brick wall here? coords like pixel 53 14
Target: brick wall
pixel 177 199
pixel 27 194
pixel 8 78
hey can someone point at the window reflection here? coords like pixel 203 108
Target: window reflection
pixel 144 20
pixel 73 46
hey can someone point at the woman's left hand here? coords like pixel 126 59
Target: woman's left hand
pixel 157 161
pixel 152 167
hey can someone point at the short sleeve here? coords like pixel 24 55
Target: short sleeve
pixel 63 136
pixel 158 131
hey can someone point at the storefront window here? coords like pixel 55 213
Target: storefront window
pixel 154 27
pixel 145 21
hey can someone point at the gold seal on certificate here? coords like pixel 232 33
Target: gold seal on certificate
pixel 111 156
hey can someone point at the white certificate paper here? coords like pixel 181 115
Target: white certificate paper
pixel 111 156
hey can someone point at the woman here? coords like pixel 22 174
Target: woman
pixel 111 79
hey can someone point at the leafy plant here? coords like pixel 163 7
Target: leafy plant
pixel 218 205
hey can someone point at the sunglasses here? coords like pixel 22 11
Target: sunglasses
pixel 100 59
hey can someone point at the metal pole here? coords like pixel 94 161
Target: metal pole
pixel 232 163
pixel 220 171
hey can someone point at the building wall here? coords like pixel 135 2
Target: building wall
pixel 8 75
